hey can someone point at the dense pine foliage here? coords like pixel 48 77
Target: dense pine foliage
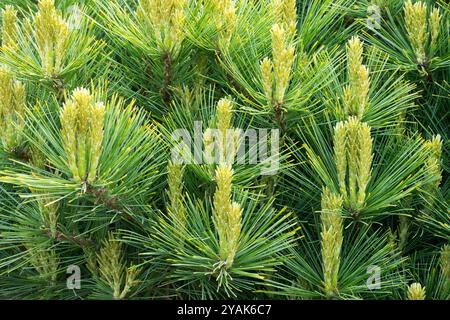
pixel 354 96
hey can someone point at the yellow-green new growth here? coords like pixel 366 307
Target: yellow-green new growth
pixel 356 93
pixel 283 59
pixel 433 162
pixel 285 12
pixel 229 136
pixel 45 261
pixel 267 78
pixel 331 237
pixel 416 292
pixel 353 158
pixel 49 211
pixel 176 207
pixel 420 28
pixel 222 205
pixel 416 26
pixel 9 28
pixel 227 215
pixel 276 74
pixel 225 139
pixel 364 162
pixel 167 19
pixel 82 121
pixel 12 110
pixel 112 268
pixel 224 114
pixel 233 232
pixel 340 156
pixel 52 33
pixel 435 21
pixel 225 19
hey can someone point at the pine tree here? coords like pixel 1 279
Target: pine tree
pixel 216 149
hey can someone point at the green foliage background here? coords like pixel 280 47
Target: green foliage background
pixel 119 231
